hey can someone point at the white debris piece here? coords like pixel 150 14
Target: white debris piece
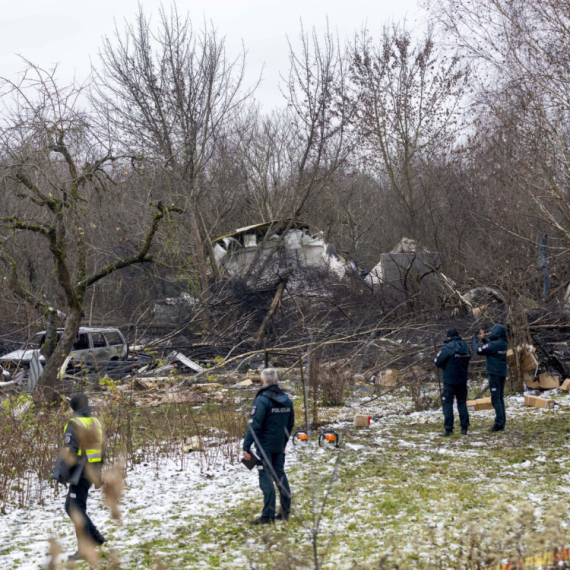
pixel 375 276
pixel 407 255
pixel 189 363
pixel 36 370
pixel 311 251
pixel 250 240
pixel 408 245
pixel 294 239
pixel 219 253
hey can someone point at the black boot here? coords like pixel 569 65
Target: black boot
pixel 98 538
pixel 446 433
pixel 497 428
pixel 281 516
pixel 263 520
pixel 464 431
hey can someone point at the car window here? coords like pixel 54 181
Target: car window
pixel 38 341
pixel 98 340
pixel 82 342
pixel 113 338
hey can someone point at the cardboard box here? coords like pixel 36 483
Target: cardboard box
pixel 548 382
pixel 362 421
pixel 531 381
pixel 511 361
pixel 537 402
pixel 566 385
pixel 543 381
pixel 389 379
pixel 479 405
pixel 529 362
pixel 190 444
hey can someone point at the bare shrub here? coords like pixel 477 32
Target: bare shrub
pixel 133 434
pixel 334 386
pixel 420 390
pixel 25 468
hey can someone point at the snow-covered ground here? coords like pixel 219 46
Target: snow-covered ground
pixel 401 486
pixel 153 505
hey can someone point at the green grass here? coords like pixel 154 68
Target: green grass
pixel 407 493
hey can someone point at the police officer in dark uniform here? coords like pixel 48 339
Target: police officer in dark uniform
pixel 79 465
pixel 454 358
pixel 270 426
pixel 495 349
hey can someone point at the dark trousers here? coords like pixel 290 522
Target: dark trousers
pixel 449 392
pixel 76 502
pixel 267 482
pixel 497 386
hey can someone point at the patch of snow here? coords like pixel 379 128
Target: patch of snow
pixel 151 495
pixel 354 447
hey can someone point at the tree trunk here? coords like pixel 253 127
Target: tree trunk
pixel 201 258
pixel 48 381
pixel 211 254
pixel 51 335
pixel 202 267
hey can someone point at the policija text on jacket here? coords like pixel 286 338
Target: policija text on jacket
pixel 271 423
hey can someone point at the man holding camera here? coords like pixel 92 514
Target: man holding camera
pixel 495 349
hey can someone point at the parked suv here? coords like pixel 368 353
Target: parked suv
pixel 92 344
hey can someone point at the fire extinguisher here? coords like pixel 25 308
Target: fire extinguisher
pixel 329 438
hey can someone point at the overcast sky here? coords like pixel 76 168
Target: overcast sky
pixel 69 32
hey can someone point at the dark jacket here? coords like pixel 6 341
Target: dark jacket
pixel 495 349
pixel 454 359
pixel 69 467
pixel 272 420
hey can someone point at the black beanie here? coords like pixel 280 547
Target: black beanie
pixel 78 401
pixel 451 333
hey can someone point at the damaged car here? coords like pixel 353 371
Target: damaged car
pixel 92 344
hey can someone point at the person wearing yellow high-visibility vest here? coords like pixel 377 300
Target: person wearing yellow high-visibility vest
pixel 79 466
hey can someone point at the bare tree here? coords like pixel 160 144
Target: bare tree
pixel 172 94
pixel 265 162
pixel 408 112
pixel 320 109
pixel 523 41
pixel 313 137
pixel 523 96
pixel 52 160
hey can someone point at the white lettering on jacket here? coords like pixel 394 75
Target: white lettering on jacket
pixel 280 410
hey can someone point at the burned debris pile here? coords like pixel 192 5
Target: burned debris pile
pixel 284 298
